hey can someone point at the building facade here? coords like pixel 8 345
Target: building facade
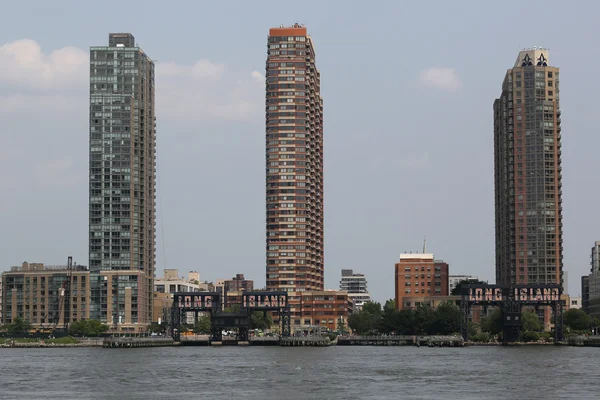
pixel 575 302
pixel 238 284
pixel 39 294
pixel 356 286
pixel 122 182
pixel 294 163
pixel 527 168
pixel 591 284
pixel 454 280
pixel 420 275
pixel 585 293
pixel 595 258
pixel 172 283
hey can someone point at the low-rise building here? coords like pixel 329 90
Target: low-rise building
pixel 172 283
pixel 238 284
pixel 161 307
pixel 454 280
pixel 356 286
pixel 419 274
pixel 327 309
pixel 575 303
pixel 40 294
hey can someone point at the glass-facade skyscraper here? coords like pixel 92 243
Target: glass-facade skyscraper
pixel 122 172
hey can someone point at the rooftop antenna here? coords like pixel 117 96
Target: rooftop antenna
pixel 424 245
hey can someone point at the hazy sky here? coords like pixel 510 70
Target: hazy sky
pixel 408 89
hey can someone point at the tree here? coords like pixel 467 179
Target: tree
pixel 456 290
pixel 493 323
pixel 577 319
pixel 341 326
pixel 372 307
pixel 89 327
pixel 446 319
pixel 405 322
pixel 424 316
pixel 530 322
pixel 232 308
pixel 530 336
pixel 18 325
pixel 473 328
pixel 260 320
pixel 368 320
pixel 155 327
pixel 202 325
pixel 389 319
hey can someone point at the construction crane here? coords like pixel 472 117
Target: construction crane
pixel 59 301
pixel 66 293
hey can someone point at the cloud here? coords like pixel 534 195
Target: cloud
pixel 440 78
pixel 202 69
pixel 258 76
pixel 56 84
pixel 24 65
pixel 206 91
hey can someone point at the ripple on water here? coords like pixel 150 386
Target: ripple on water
pixel 293 373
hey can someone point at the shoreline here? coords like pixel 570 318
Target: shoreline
pixel 99 344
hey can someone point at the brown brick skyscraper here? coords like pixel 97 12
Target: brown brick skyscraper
pixel 294 163
pixel 528 187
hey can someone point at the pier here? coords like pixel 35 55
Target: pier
pixel 305 341
pixel 430 341
pixel 132 342
pixel 583 340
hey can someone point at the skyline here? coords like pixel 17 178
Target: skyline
pixel 390 224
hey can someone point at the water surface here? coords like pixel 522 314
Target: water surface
pixel 532 372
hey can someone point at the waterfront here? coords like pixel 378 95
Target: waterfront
pixel 529 372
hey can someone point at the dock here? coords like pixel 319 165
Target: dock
pixel 583 340
pixel 305 341
pixel 134 342
pixel 393 340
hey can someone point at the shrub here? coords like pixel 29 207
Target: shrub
pixel 482 337
pixel 530 336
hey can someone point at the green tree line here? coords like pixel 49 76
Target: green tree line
pixel 445 320
pixel 423 320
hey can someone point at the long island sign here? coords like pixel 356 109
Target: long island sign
pixel 198 301
pixel 532 294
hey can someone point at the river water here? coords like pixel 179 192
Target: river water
pixel 532 372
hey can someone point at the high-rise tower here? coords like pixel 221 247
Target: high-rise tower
pixel 527 160
pixel 122 179
pixel 294 162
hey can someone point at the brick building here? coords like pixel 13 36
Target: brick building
pixel 238 284
pixel 420 275
pixel 36 293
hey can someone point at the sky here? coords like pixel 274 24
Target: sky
pixel 408 89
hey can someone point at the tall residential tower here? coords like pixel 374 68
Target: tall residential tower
pixel 527 161
pixel 122 183
pixel 294 163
